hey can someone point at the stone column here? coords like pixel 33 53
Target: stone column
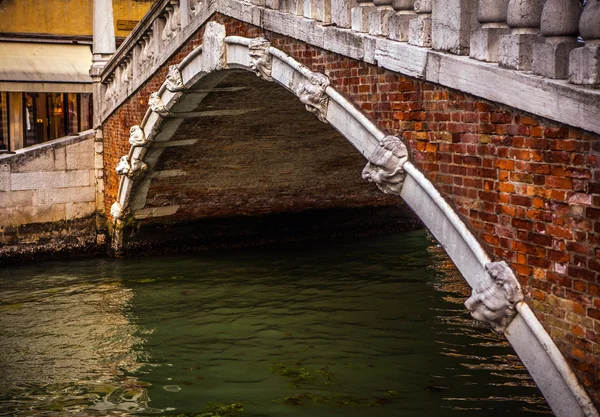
pixel 451 25
pixel 491 14
pixel 360 15
pixel 559 27
pixel 523 18
pixel 419 28
pixel 103 47
pixel 379 18
pixel 584 63
pixel 399 21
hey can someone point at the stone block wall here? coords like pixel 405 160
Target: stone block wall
pixel 48 197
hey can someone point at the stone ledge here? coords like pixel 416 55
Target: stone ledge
pixel 18 157
pixel 554 99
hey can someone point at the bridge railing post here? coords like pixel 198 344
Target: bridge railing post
pixel 452 21
pixel 360 15
pixel 419 28
pixel 319 10
pixel 341 12
pixel 559 27
pixel 379 18
pixel 491 14
pixel 292 6
pixel 516 50
pixel 404 11
pixel 184 10
pixel 584 62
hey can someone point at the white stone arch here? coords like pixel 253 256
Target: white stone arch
pixel 497 297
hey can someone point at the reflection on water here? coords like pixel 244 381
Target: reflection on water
pixel 370 326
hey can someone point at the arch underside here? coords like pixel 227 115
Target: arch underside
pixel 191 122
pixel 245 151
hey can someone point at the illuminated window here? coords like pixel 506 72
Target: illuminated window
pixel 4 132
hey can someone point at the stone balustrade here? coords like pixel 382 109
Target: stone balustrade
pixel 162 30
pixel 541 38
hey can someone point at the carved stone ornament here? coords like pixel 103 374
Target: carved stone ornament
pixel 385 165
pixel 123 167
pixel 312 94
pixel 174 80
pixel 156 105
pixel 260 58
pixel 496 305
pixel 137 137
pixel 132 170
pixel 116 210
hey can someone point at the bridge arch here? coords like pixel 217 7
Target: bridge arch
pixel 497 296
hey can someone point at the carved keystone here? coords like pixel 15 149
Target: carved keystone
pixel 496 305
pixel 312 94
pixel 132 170
pixel 260 58
pixel 137 137
pixel 174 80
pixel 157 106
pixel 116 211
pixel 385 165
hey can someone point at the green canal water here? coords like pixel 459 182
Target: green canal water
pixel 352 327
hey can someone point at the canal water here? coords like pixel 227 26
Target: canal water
pixel 365 326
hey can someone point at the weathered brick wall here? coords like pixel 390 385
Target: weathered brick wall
pixel 529 188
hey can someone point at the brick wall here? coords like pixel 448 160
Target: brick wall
pixel 528 188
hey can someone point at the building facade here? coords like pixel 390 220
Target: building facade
pixel 45 58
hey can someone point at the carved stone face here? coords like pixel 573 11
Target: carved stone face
pixel 156 105
pixel 260 59
pixel 496 304
pixel 489 305
pixel 174 80
pixel 385 165
pixel 123 167
pixel 138 167
pixel 116 211
pixel 136 136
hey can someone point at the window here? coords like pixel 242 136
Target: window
pixel 4 132
pixel 48 116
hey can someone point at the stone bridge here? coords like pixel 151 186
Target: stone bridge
pixel 482 116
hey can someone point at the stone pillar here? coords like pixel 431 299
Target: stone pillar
pixel 523 18
pixel 400 20
pixel 379 18
pixel 104 29
pixel 559 27
pixel 103 47
pixel 451 25
pixel 360 15
pixel 419 28
pixel 584 62
pixel 491 14
pixel 340 12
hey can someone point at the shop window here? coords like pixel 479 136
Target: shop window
pixel 85 114
pixel 72 116
pixel 4 131
pixel 34 118
pixel 48 116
